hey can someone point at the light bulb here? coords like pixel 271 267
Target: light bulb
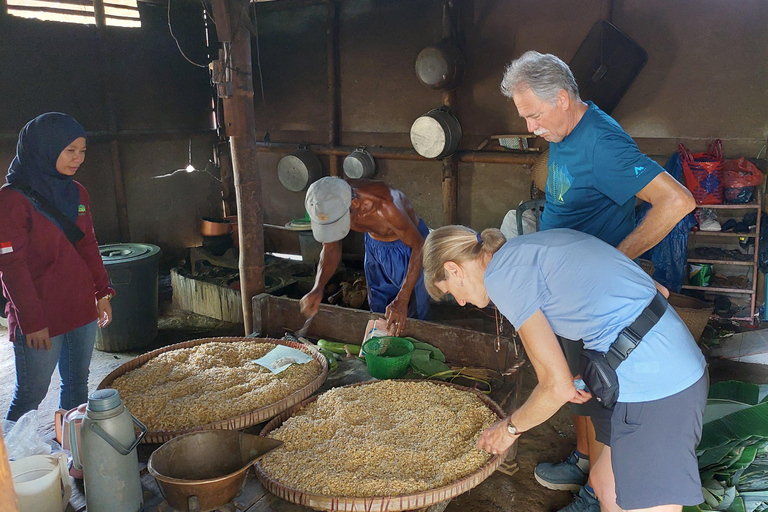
pixel 190 168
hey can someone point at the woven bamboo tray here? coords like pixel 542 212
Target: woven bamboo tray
pixel 378 503
pixel 238 422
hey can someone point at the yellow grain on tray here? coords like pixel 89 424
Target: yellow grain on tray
pixel 388 438
pixel 214 381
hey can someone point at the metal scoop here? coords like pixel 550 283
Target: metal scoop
pixel 301 333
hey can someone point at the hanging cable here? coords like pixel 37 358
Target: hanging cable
pixel 258 57
pixel 170 29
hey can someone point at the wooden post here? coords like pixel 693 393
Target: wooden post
pixel 450 163
pixel 334 97
pixel 240 125
pixel 606 10
pixel 450 175
pixel 228 194
pixel 114 147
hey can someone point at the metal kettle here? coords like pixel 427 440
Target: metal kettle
pixel 107 454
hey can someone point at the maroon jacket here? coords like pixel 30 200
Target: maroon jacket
pixel 48 281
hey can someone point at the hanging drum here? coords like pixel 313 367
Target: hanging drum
pixel 359 164
pixel 440 66
pixel 299 170
pixel 436 134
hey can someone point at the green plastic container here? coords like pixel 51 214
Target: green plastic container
pixel 393 361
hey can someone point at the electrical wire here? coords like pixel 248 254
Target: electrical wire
pixel 170 29
pixel 258 57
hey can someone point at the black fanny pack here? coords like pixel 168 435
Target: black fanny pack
pixel 599 372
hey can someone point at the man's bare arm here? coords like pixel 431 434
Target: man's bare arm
pixel 670 202
pixel 409 234
pixel 330 257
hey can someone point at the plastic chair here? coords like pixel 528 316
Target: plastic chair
pixel 537 205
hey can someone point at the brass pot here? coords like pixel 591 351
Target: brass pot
pixel 215 227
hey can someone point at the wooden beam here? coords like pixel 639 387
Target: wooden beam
pixel 464 155
pixel 450 176
pixel 114 147
pixel 606 10
pixel 334 95
pixel 273 316
pixel 232 24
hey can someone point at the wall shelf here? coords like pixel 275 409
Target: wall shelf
pixel 718 237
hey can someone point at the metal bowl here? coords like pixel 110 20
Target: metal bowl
pixel 205 470
pixel 299 170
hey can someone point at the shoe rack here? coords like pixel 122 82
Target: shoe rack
pixel 730 240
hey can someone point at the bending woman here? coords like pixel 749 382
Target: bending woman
pixel 50 266
pixel 563 282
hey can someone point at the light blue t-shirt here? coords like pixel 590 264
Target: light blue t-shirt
pixel 593 176
pixel 589 290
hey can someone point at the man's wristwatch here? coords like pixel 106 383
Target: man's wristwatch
pixel 512 429
pixel 107 296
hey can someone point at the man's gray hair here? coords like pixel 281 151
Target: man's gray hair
pixel 543 74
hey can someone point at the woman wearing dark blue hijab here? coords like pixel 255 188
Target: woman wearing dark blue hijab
pixel 50 266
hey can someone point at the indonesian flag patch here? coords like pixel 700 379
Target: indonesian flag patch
pixel 6 248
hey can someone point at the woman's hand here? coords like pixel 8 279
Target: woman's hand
pixel 496 439
pixel 39 340
pixel 104 307
pixel 582 393
pixel 582 396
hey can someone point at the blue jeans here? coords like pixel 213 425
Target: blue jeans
pixel 72 351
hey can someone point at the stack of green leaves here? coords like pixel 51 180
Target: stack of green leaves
pixel 427 360
pixel 733 453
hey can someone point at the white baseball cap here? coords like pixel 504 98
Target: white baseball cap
pixel 327 202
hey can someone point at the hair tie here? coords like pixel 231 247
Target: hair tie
pixel 479 239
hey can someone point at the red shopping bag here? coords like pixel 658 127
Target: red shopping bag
pixel 703 173
pixel 740 177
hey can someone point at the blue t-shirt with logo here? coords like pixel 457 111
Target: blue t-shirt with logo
pixel 593 176
pixel 589 290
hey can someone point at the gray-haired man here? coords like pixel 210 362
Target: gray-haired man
pixel 595 174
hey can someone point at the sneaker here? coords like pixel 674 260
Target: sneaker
pixel 563 476
pixel 584 502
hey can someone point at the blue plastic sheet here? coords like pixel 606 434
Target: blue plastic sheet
pixel 670 256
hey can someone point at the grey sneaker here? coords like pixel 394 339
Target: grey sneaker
pixel 563 476
pixel 584 502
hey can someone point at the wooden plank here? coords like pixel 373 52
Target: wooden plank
pixel 273 316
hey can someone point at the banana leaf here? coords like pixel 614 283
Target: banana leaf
pixel 435 353
pixel 734 390
pixel 427 360
pixel 755 477
pixel 748 425
pixel 733 453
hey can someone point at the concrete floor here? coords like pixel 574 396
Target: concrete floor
pixel 174 326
